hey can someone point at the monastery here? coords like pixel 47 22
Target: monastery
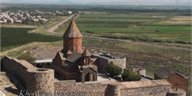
pixel 77 72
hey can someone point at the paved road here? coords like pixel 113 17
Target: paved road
pixel 52 29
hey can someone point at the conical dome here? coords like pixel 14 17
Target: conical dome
pixel 72 31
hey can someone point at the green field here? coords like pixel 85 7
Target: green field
pixel 141 26
pixel 14 37
pixel 166 35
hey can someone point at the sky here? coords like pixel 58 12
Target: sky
pixel 124 2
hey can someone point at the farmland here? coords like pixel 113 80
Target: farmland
pixel 141 26
pixel 14 37
pixel 151 39
pixel 138 54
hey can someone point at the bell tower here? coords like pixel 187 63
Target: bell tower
pixel 86 57
pixel 72 39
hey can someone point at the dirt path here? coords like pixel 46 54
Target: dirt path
pixel 52 29
pixel 143 43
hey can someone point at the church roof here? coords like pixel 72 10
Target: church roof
pixel 72 31
pixel 74 57
pixel 61 55
pixel 86 53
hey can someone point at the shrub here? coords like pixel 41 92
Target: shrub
pixel 26 57
pixel 130 76
pixel 113 69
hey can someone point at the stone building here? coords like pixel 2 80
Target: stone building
pixel 104 59
pixel 72 40
pixel 74 65
pixel 72 62
pixel 30 77
pixel 177 80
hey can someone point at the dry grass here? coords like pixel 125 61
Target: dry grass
pixel 147 55
pixel 177 20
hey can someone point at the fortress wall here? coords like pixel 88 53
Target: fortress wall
pixel 92 89
pixel 133 88
pixel 41 81
pixel 146 91
pixel 35 79
pixel 65 85
pixel 71 88
pixel 146 88
pixel 38 80
pixel 12 66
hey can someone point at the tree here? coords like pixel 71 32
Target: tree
pixel 130 76
pixel 113 69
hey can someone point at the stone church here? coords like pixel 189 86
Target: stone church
pixel 74 62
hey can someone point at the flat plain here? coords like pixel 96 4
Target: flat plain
pixel 157 27
pixel 147 39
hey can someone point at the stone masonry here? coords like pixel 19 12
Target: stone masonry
pixel 41 81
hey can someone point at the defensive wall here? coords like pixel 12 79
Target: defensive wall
pixel 114 88
pixel 33 78
pixel 37 80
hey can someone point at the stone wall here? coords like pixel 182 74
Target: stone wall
pixel 146 88
pixel 146 91
pixel 41 80
pixel 103 61
pixel 134 88
pixel 71 88
pixel 36 80
pixel 73 44
pixel 12 66
pixel 178 92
